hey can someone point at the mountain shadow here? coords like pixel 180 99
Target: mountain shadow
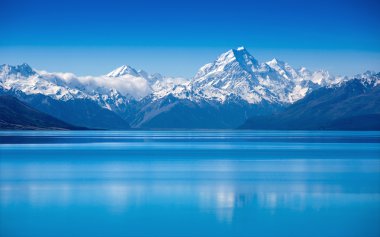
pixel 78 112
pixel 355 105
pixel 15 114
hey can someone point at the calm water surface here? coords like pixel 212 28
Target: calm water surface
pixel 199 183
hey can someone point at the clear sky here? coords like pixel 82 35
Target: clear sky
pixel 177 37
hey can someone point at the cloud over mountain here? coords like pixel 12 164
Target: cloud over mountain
pixel 223 93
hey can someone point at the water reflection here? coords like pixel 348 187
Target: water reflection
pixel 199 186
pixel 217 185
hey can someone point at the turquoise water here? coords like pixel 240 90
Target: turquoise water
pixel 198 183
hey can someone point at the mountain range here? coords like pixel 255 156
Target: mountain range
pixel 15 114
pixel 353 105
pixel 235 90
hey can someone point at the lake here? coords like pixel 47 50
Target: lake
pixel 189 183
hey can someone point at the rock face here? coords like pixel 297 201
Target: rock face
pixel 222 94
pixel 352 105
pixel 15 114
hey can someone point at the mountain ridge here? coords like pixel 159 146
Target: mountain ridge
pixel 235 82
pixel 352 105
pixel 15 114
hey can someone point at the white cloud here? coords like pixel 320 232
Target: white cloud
pixel 137 87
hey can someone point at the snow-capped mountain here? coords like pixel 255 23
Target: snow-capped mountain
pixel 128 71
pixel 349 105
pixel 238 73
pixel 124 70
pixel 369 78
pixel 110 91
pixel 23 78
pixel 235 73
pixel 235 81
pixel 23 70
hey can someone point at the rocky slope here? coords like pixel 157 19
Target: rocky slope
pixel 222 94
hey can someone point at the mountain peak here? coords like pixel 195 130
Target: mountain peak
pixel 369 77
pixel 366 74
pixel 123 70
pixel 275 61
pixel 240 51
pixel 245 59
pixel 241 56
pixel 22 69
pixel 230 61
pixel 25 69
pixel 235 52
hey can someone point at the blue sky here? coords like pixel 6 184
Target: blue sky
pixel 177 37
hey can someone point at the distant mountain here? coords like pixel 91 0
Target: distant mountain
pixel 15 114
pixel 63 96
pixel 173 112
pixel 222 94
pixel 78 112
pixel 238 73
pixel 226 92
pixel 352 105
